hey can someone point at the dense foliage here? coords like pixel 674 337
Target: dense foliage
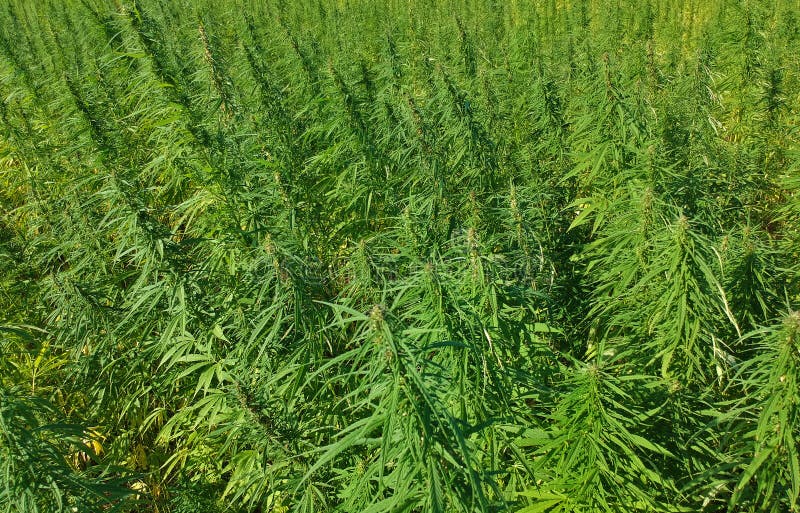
pixel 399 256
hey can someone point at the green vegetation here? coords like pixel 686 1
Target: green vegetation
pixel 399 256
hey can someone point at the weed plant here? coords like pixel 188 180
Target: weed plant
pixel 399 256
